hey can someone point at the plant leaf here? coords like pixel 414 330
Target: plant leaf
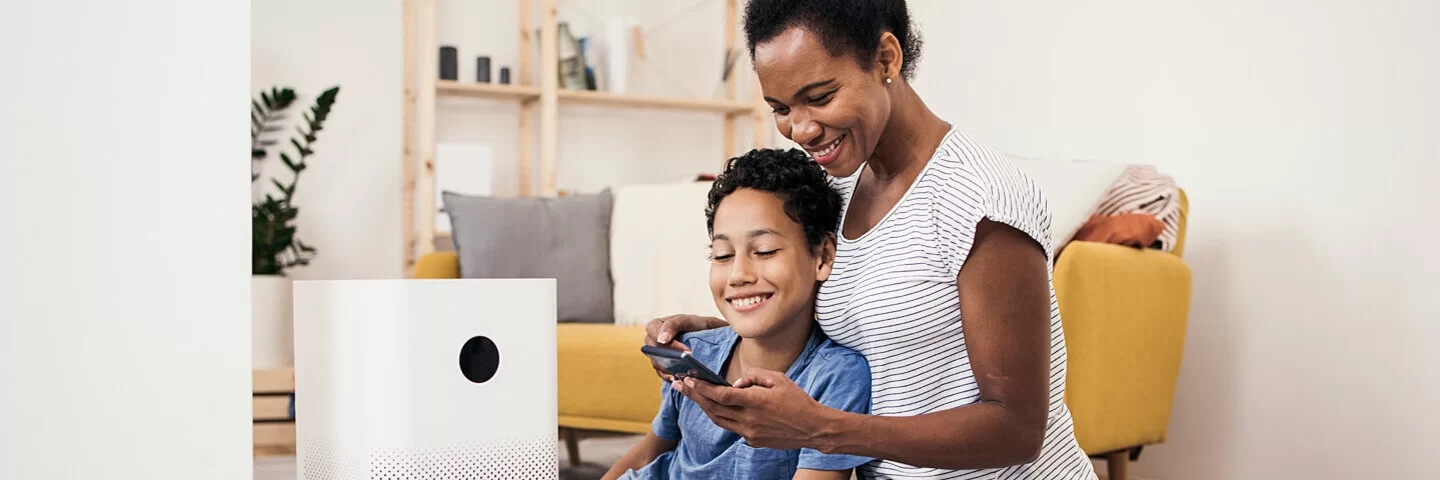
pixel 304 152
pixel 288 163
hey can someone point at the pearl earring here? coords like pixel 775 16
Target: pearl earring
pixel 887 80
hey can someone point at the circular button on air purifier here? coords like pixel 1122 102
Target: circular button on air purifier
pixel 479 359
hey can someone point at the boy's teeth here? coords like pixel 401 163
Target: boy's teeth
pixel 745 302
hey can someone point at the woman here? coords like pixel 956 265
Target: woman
pixel 941 277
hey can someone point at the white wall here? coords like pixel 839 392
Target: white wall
pixel 1305 133
pixel 349 196
pixel 124 300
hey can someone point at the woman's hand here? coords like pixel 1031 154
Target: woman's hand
pixel 765 407
pixel 662 332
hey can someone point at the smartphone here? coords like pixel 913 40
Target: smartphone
pixel 682 364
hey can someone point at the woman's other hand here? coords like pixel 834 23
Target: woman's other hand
pixel 765 407
pixel 662 332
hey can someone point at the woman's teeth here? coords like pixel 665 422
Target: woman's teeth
pixel 830 148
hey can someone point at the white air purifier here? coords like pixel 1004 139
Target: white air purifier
pixel 425 379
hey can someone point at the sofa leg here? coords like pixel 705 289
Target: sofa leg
pixel 1119 465
pixel 572 445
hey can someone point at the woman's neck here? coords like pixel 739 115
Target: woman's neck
pixel 775 351
pixel 911 135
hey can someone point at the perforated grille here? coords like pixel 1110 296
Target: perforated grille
pixel 321 461
pixel 516 459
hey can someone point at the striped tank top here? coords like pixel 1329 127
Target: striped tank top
pixel 892 297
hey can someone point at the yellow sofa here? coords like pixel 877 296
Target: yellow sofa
pixel 1124 312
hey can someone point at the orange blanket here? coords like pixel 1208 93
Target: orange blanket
pixel 1139 230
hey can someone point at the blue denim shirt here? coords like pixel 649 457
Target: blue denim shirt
pixel 834 375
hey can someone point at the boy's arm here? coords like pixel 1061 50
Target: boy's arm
pixel 808 474
pixel 642 454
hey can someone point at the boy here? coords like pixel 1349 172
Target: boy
pixel 772 218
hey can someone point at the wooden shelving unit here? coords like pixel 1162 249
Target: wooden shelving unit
pixel 451 88
pixel 273 428
pixel 422 87
pixel 639 101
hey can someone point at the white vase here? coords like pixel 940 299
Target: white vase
pixel 272 332
pixel 617 54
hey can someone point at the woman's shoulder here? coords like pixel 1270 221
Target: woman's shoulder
pixel 962 161
pixel 970 181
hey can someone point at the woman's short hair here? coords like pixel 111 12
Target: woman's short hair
pixel 794 177
pixel 845 27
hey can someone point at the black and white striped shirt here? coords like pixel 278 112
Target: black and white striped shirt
pixel 892 297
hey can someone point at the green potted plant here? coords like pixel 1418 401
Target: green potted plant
pixel 275 247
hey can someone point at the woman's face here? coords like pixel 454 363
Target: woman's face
pixel 827 104
pixel 763 272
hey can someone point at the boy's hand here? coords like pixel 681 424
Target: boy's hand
pixel 765 407
pixel 662 332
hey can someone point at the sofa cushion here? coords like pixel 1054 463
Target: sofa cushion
pixel 562 238
pixel 659 252
pixel 604 382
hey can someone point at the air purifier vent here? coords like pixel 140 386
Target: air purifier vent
pixel 517 459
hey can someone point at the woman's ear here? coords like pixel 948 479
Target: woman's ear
pixel 825 258
pixel 889 57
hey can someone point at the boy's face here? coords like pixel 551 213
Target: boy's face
pixel 763 273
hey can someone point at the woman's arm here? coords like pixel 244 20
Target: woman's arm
pixel 808 474
pixel 1005 297
pixel 640 455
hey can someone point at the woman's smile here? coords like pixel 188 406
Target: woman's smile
pixel 826 154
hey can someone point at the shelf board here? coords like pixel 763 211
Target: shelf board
pixel 586 97
pixel 486 90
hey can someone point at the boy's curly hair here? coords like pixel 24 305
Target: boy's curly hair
pixel 794 177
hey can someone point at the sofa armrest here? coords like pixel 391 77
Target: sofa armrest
pixel 1124 312
pixel 438 265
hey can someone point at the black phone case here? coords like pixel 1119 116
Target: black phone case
pixel 682 365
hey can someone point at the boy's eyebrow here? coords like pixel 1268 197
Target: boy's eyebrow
pixel 753 233
pixel 763 231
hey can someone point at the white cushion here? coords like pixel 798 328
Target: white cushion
pixel 659 252
pixel 1073 188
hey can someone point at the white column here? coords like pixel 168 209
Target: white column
pixel 124 282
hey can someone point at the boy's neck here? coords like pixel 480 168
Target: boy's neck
pixel 775 352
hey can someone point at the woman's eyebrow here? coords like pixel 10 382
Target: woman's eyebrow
pixel 807 88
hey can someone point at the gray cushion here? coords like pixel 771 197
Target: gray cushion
pixel 567 239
